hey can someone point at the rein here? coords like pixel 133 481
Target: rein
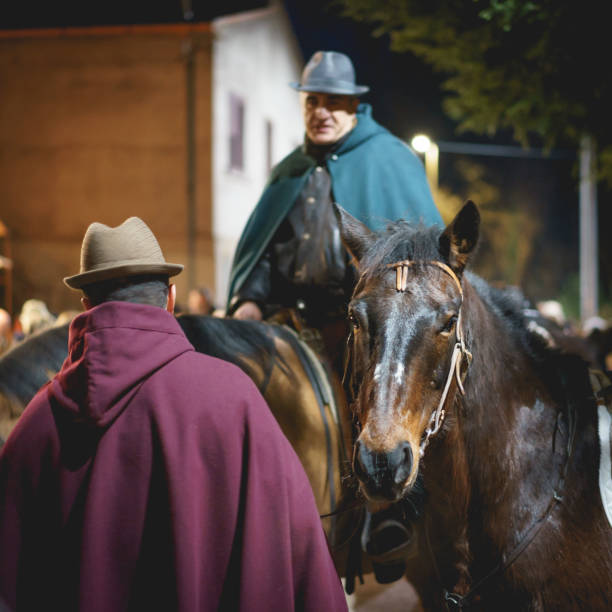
pixel 461 355
pixel 454 601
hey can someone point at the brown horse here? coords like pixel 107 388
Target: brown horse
pixel 453 393
pixel 310 408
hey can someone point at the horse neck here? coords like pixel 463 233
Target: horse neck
pixel 505 422
pixel 494 476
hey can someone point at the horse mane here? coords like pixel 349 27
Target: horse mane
pixel 564 372
pixel 17 365
pixel 238 342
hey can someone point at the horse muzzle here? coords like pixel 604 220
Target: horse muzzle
pixel 383 475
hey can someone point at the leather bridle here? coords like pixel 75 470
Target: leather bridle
pixel 455 601
pixel 461 357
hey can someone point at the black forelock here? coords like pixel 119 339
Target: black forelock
pixel 400 241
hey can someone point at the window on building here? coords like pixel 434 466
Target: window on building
pixel 236 160
pixel 269 146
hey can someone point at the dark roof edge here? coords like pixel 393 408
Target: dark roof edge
pixel 177 29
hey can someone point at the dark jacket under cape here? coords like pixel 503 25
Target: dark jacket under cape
pixel 146 476
pixel 375 176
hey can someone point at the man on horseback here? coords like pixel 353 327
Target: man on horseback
pixel 290 254
pixel 290 264
pixel 147 476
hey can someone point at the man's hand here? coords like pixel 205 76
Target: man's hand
pixel 248 311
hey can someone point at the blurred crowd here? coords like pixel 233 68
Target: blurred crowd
pixel 35 316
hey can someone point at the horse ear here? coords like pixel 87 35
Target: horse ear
pixel 460 237
pixel 356 236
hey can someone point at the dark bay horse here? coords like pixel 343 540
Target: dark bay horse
pixel 279 365
pixel 453 392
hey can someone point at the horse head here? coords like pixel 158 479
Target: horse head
pixel 407 350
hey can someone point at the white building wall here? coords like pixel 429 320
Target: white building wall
pixel 255 56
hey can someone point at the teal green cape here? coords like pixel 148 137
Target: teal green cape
pixel 375 176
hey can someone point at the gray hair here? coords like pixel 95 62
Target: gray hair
pixel 151 289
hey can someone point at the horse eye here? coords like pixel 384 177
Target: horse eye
pixel 448 326
pixel 353 319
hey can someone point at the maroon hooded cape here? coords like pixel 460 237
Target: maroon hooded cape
pixel 146 476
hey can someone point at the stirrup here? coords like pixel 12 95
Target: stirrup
pixel 388 546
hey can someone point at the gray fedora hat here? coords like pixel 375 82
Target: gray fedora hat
pixel 130 249
pixel 330 72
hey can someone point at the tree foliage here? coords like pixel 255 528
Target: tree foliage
pixel 537 67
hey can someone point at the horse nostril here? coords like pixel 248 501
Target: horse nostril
pixel 403 463
pixel 408 453
pixel 358 461
pixel 383 474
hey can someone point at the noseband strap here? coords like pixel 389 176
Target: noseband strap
pixel 461 355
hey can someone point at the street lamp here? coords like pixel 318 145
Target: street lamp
pixel 425 145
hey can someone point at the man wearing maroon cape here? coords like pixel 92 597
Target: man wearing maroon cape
pixel 147 476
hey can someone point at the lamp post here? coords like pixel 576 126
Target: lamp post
pixel 588 230
pixel 425 145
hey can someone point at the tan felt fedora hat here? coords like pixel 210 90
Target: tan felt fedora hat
pixel 130 249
